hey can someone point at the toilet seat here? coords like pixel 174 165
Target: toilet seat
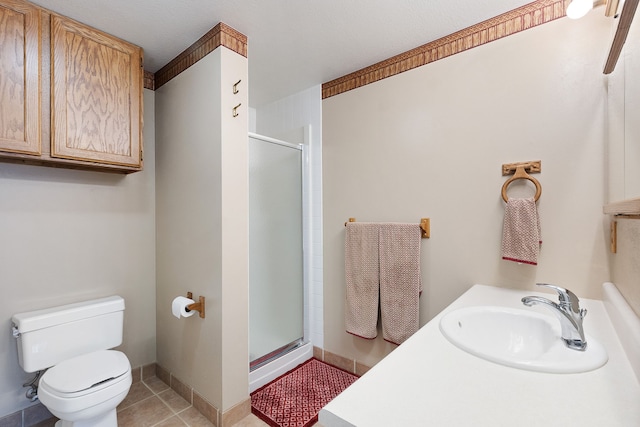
pixel 86 374
pixel 87 388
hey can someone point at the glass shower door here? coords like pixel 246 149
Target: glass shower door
pixel 275 249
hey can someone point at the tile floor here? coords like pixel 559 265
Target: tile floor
pixel 151 403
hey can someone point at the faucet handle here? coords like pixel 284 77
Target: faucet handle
pixel 567 298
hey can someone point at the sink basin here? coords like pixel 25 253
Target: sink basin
pixel 518 338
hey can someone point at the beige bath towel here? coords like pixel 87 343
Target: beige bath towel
pixel 521 231
pixel 400 280
pixel 362 278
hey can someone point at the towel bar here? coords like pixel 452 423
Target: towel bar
pixel 425 226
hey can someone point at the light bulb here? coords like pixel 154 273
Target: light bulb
pixel 578 8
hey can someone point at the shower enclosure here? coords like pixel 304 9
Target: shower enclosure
pixel 276 276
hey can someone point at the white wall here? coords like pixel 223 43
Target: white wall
pixel 624 163
pixel 68 236
pixel 430 143
pixel 202 227
pixel 285 119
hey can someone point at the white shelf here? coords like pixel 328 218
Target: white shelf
pixel 624 207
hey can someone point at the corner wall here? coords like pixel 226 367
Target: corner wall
pixel 430 142
pixel 202 217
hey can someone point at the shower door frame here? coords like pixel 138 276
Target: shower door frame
pixel 304 196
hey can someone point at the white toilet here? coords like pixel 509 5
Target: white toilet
pixel 85 381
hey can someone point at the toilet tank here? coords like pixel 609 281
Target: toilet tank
pixel 47 337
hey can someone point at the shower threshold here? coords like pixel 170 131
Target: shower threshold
pixel 269 357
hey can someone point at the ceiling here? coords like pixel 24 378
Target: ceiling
pixel 293 44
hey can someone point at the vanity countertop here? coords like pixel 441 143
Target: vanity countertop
pixel 429 381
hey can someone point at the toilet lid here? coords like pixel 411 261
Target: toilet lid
pixel 83 372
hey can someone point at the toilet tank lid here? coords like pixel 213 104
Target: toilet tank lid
pixel 38 319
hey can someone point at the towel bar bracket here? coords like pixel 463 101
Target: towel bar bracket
pixel 425 226
pixel 530 167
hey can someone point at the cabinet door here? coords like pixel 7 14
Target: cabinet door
pixel 95 95
pixel 19 77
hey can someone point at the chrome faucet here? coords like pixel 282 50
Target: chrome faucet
pixel 568 312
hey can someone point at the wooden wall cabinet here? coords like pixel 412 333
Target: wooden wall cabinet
pixel 80 93
pixel 95 95
pixel 20 46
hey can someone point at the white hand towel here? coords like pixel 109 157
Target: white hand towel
pixel 521 231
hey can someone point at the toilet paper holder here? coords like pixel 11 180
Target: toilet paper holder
pixel 196 306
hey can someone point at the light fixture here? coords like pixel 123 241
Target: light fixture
pixel 578 8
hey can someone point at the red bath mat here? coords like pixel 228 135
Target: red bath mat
pixel 295 398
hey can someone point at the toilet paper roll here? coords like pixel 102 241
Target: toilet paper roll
pixel 179 307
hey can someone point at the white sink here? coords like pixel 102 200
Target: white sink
pixel 518 338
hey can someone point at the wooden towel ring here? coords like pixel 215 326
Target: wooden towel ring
pixel 521 174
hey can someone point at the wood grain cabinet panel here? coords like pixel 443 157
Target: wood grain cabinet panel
pixel 96 93
pixel 20 55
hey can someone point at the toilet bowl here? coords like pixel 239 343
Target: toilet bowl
pixel 84 380
pixel 84 391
